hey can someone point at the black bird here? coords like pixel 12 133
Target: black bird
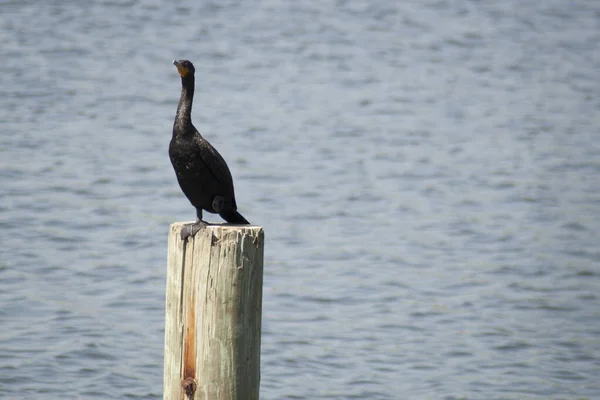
pixel 201 171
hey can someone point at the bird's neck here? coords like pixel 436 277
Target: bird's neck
pixel 183 119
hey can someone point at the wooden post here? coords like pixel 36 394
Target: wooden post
pixel 213 313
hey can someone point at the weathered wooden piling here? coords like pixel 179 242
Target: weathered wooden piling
pixel 213 313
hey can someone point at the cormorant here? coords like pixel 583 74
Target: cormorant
pixel 201 171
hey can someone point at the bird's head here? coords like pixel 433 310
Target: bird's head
pixel 186 68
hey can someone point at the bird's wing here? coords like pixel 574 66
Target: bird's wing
pixel 215 162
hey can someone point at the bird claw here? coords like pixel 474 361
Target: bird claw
pixel 189 230
pixel 218 203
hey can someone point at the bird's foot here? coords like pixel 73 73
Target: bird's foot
pixel 189 230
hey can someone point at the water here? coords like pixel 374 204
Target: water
pixel 427 173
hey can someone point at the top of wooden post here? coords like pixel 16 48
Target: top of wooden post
pixel 217 226
pixel 219 229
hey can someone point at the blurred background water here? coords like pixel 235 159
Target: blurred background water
pixel 427 173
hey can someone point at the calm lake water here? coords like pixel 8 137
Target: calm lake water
pixel 427 174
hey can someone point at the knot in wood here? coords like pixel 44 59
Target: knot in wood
pixel 189 386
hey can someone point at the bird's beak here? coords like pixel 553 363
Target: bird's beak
pixel 182 70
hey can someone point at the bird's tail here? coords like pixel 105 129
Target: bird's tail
pixel 234 217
